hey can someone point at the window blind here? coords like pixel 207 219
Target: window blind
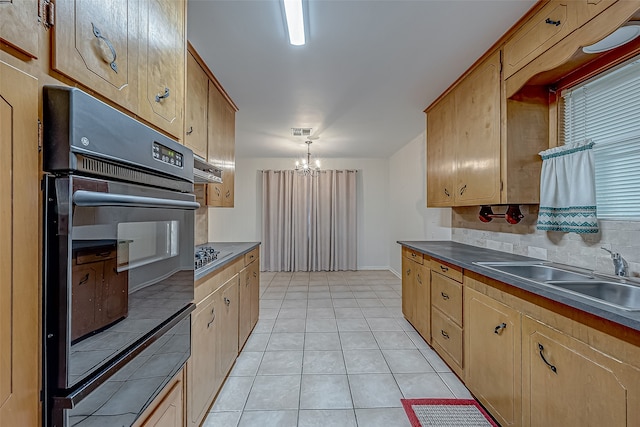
pixel 606 110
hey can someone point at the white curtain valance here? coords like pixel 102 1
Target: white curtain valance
pixel 567 189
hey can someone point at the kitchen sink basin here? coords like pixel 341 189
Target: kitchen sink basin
pixel 617 294
pixel 537 271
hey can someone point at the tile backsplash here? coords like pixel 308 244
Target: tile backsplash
pixel 566 248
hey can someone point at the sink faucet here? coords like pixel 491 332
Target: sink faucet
pixel 619 263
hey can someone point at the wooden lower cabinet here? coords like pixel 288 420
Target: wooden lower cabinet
pixel 203 380
pixel 19 248
pixel 215 329
pixel 492 355
pixel 227 346
pixel 566 382
pixel 249 296
pixel 422 294
pixel 416 296
pixel 168 409
pixel 408 288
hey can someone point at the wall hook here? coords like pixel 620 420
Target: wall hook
pixel 512 215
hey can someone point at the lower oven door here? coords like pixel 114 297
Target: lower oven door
pixel 121 399
pixel 118 264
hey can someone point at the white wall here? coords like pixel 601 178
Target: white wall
pixel 243 222
pixel 409 217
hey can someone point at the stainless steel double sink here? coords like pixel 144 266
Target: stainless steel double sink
pixel 613 292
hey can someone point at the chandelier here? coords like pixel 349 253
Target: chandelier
pixel 304 167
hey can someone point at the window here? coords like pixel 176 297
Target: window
pixel 606 110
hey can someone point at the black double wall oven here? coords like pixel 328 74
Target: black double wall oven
pixel 118 261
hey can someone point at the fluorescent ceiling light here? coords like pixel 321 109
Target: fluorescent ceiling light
pixel 295 21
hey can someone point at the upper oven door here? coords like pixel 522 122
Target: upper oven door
pixel 119 263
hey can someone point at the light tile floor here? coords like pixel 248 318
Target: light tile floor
pixel 330 349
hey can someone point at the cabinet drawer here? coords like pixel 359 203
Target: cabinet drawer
pixel 589 9
pixel 413 255
pixel 452 271
pixel 447 334
pixel 446 295
pixel 546 28
pixel 249 257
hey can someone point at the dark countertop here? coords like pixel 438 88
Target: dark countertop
pixel 235 250
pixel 465 255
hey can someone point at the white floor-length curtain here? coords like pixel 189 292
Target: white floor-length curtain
pixel 333 221
pixel 309 222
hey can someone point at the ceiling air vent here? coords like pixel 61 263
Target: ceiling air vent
pixel 301 131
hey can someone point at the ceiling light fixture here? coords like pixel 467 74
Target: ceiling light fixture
pixel 619 37
pixel 295 21
pixel 304 167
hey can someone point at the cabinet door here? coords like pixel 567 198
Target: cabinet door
pixel 492 354
pixel 203 381
pixel 477 101
pixel 228 339
pixel 422 313
pixel 19 27
pixel 441 155
pixel 565 382
pixel 86 290
pixel 244 314
pixel 94 44
pixel 408 289
pixel 229 137
pixel 162 64
pixel 19 196
pixel 546 28
pixel 254 278
pixel 214 193
pixel 196 115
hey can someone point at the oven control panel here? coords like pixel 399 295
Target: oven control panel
pixel 166 155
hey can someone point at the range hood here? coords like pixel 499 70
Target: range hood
pixel 204 172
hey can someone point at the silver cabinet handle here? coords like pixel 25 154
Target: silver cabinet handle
pixel 227 301
pixel 444 334
pixel 190 131
pixel 99 36
pixel 165 95
pixel 499 328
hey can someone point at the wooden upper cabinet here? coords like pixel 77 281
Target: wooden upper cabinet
pixel 229 137
pixel 19 280
pixel 195 134
pixel 221 147
pixel 215 127
pixel 19 27
pixel 95 44
pixel 463 141
pixel 477 103
pixel 162 63
pixel 547 27
pixel 441 153
pixel 588 9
